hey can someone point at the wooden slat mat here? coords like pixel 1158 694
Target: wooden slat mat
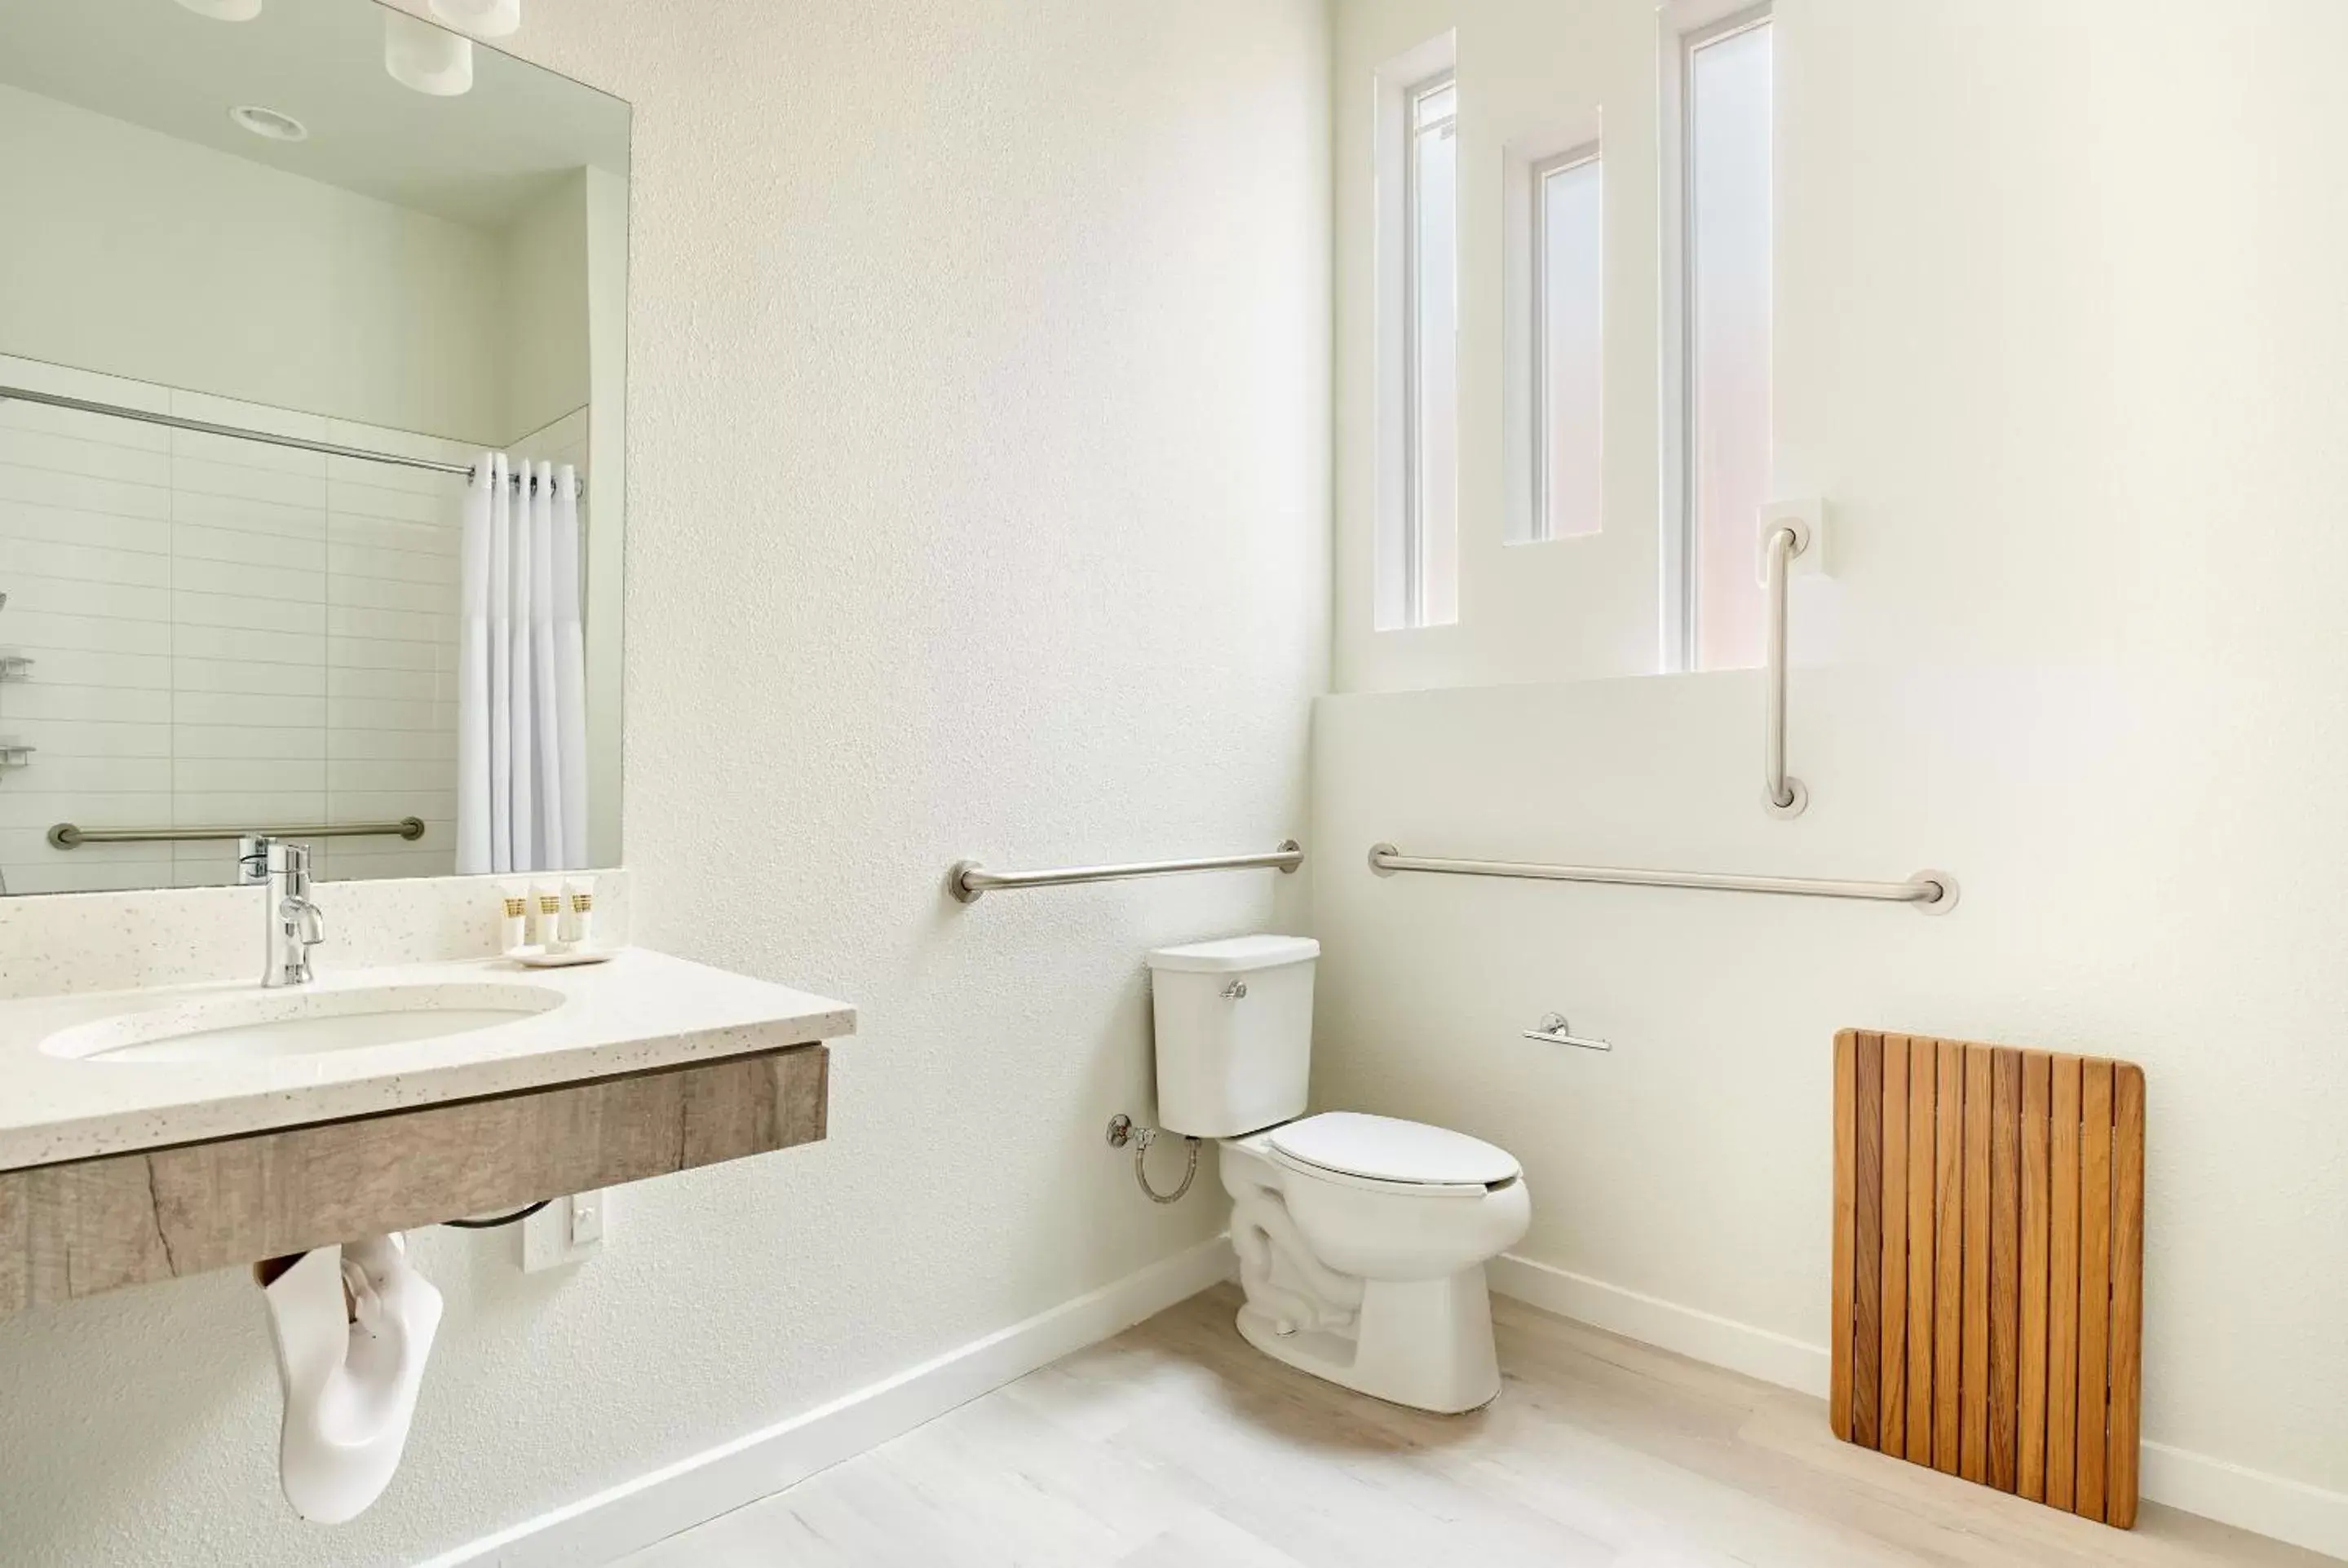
pixel 1989 1265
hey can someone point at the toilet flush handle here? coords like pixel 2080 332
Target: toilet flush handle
pixel 1235 990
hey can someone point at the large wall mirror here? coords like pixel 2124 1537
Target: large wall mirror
pixel 312 321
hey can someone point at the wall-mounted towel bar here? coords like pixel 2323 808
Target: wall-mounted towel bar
pixel 1553 1029
pixel 968 881
pixel 66 835
pixel 1929 892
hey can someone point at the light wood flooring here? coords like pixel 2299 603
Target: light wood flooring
pixel 1178 1444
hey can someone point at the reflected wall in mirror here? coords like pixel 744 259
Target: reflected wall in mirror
pixel 305 303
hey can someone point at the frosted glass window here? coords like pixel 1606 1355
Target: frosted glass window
pixel 1728 133
pixel 1430 567
pixel 1569 309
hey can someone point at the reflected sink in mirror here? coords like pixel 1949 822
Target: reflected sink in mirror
pixel 255 1025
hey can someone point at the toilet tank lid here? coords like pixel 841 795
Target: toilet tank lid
pixel 1261 952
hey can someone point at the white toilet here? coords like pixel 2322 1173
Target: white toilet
pixel 1362 1239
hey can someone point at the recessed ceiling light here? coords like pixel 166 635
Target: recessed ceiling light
pixel 269 124
pixel 225 10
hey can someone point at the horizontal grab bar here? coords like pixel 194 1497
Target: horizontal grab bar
pixel 968 881
pixel 66 835
pixel 1929 892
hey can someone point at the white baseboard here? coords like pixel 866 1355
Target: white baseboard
pixel 2273 1505
pixel 652 1507
pixel 2251 1500
pixel 1723 1342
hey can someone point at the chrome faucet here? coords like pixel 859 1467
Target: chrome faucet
pixel 294 926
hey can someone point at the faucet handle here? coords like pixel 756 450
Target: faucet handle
pixel 260 854
pixel 252 858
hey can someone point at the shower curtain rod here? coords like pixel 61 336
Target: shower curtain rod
pixel 237 433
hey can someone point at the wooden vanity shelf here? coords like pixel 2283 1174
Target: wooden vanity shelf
pixel 83 1226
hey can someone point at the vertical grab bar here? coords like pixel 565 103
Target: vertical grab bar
pixel 1783 795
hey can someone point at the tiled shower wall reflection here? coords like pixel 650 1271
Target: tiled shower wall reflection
pixel 223 633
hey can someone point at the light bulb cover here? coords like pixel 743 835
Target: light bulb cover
pixel 427 58
pixel 224 10
pixel 482 18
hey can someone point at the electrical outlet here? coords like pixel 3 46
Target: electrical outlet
pixel 569 1230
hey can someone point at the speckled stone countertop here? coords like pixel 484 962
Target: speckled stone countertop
pixel 641 1010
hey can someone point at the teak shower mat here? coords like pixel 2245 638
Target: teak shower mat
pixel 1989 1265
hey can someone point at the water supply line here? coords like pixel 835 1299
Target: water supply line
pixel 1123 1130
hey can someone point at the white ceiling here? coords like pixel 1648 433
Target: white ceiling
pixel 474 159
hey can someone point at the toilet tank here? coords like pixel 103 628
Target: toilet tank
pixel 1234 1033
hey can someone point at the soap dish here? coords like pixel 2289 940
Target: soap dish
pixel 537 958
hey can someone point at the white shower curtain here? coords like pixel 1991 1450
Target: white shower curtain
pixel 522 742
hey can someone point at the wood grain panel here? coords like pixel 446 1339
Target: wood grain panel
pixel 2094 1281
pixel 1867 1318
pixel 2126 1379
pixel 1923 1070
pixel 1989 1263
pixel 2062 1283
pixel 1892 1401
pixel 1949 1267
pixel 76 1229
pixel 2004 1265
pixel 2030 1436
pixel 1846 1222
pixel 1973 1391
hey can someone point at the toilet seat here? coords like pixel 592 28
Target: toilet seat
pixel 1385 1154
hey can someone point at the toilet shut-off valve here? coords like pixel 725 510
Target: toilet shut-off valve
pixel 1124 1130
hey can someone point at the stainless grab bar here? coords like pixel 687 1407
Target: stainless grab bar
pixel 1927 892
pixel 968 881
pixel 1783 795
pixel 67 835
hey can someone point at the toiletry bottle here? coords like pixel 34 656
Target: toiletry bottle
pixel 549 916
pixel 513 926
pixel 580 897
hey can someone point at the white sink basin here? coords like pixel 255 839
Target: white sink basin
pixel 251 1026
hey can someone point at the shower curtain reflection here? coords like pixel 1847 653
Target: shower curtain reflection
pixel 521 752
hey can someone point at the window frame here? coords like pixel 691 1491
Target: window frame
pixel 1414 443
pixel 1688 26
pixel 1539 529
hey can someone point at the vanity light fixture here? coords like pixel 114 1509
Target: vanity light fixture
pixel 482 18
pixel 268 123
pixel 224 10
pixel 429 59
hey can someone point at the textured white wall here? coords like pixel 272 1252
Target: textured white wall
pixel 2068 362
pixel 979 393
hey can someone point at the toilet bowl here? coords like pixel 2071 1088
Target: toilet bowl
pixel 1362 1239
pixel 1367 1277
